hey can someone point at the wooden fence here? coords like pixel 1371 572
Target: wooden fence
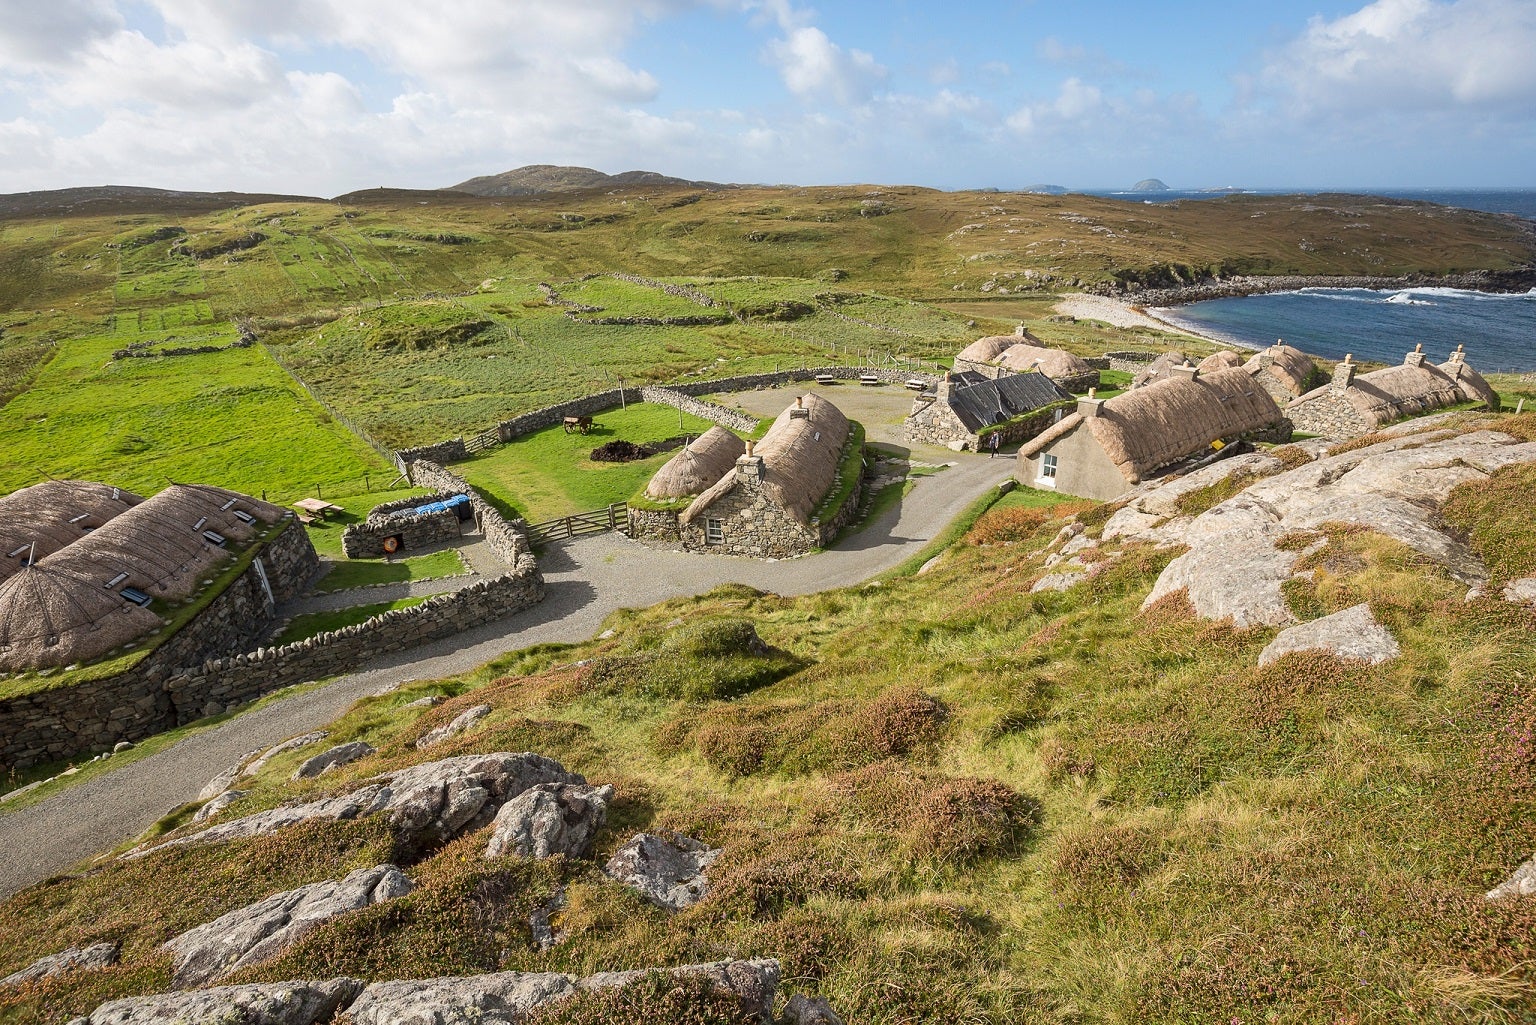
pixel 599 521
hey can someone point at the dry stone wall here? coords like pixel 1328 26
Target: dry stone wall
pixel 700 408
pixel 1330 415
pixel 415 532
pixel 505 538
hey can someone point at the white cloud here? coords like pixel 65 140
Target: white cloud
pixel 812 66
pixel 1419 55
pixel 43 34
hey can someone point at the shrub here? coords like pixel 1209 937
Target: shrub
pixel 709 661
pixel 953 819
pixel 656 997
pixel 897 722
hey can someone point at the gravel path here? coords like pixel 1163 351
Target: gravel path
pixel 587 580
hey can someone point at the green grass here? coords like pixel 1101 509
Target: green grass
pixel 314 623
pixel 547 473
pixel 325 534
pixel 850 468
pixel 362 572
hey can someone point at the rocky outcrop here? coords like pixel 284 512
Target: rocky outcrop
pixel 75 959
pixel 1521 884
pixel 325 761
pixel 1522 591
pixel 550 819
pixel 293 744
pixel 506 996
pixel 218 805
pixel 803 1010
pixel 1234 566
pixel 1352 634
pixel 426 803
pixel 271 1003
pixel 668 872
pixel 261 931
pixel 461 722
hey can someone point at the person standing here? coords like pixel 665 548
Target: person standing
pixel 993 440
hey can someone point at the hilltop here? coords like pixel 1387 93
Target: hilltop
pixel 537 179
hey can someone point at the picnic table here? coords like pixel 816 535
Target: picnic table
pixel 825 379
pixel 311 509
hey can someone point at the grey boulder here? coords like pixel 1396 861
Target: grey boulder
pixel 341 754
pixel 426 803
pixel 292 744
pixel 1522 591
pixel 75 959
pixel 218 805
pixel 668 872
pixel 261 931
pixel 804 1010
pixel 550 819
pixel 1521 884
pixel 461 722
pixel 506 997
pixel 1352 634
pixel 272 1003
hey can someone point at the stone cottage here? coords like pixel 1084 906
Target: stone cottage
pixel 1353 404
pixel 694 470
pixel 1284 371
pixel 1107 446
pixel 769 503
pixel 964 404
pixel 1021 352
pixel 88 568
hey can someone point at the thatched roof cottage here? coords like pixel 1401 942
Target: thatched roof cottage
pixel 102 557
pixel 1282 370
pixel 1109 445
pixel 1160 369
pixel 963 405
pixel 697 467
pixel 1353 404
pixel 767 502
pixel 997 355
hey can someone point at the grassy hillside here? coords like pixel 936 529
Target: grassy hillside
pixel 946 798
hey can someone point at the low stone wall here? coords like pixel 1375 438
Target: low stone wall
pixel 1130 362
pixel 505 538
pixel 549 416
pixel 700 408
pixel 450 451
pixel 221 684
pixel 56 724
pixel 654 526
pixel 415 532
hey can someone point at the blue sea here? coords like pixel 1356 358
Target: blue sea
pixel 1499 331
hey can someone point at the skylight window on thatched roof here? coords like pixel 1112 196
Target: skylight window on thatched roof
pixel 16 551
pixel 200 523
pixel 213 537
pixel 115 580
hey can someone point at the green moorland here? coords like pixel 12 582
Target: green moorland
pixel 946 798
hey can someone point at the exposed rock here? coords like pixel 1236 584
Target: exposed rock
pixel 505 997
pixel 461 722
pixel 121 746
pixel 341 754
pixel 803 1010
pixel 1522 591
pixel 218 805
pixel 550 819
pixel 223 781
pixel 1521 884
pixel 1352 634
pixel 75 959
pixel 1395 487
pixel 270 1003
pixel 261 931
pixel 430 701
pixel 667 872
pixel 426 803
pixel 288 745
pixel 1059 581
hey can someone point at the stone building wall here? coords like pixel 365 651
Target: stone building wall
pixel 506 538
pixel 1330 415
pixel 654 526
pixel 416 532
pixel 756 527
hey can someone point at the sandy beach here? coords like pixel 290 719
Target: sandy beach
pixel 1122 314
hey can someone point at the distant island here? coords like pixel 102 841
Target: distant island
pixel 1150 185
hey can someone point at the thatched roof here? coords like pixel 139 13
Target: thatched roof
pixel 711 456
pixel 800 459
pixel 1473 387
pixel 1144 430
pixel 981 401
pixel 52 617
pixel 1287 364
pixel 1057 364
pixel 158 546
pixel 1220 361
pixel 985 350
pixel 1158 369
pixel 53 515
pixel 1383 396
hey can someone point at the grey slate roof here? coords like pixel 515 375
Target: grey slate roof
pixel 980 402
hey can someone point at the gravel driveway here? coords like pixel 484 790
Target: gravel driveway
pixel 587 580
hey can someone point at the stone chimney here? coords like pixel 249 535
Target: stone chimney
pixel 1416 357
pixel 1019 331
pixel 1090 406
pixel 750 466
pixel 1188 372
pixel 942 389
pixel 1456 364
pixel 799 412
pixel 1460 355
pixel 1344 373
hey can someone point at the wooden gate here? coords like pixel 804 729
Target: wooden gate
pixel 599 521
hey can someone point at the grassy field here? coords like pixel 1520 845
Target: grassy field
pixel 947 798
pixel 363 572
pixel 548 473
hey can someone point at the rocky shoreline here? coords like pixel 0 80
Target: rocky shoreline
pixel 1520 280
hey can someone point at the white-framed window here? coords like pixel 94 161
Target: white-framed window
pixel 714 532
pixel 1047 471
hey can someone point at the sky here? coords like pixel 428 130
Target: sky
pixel 321 97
